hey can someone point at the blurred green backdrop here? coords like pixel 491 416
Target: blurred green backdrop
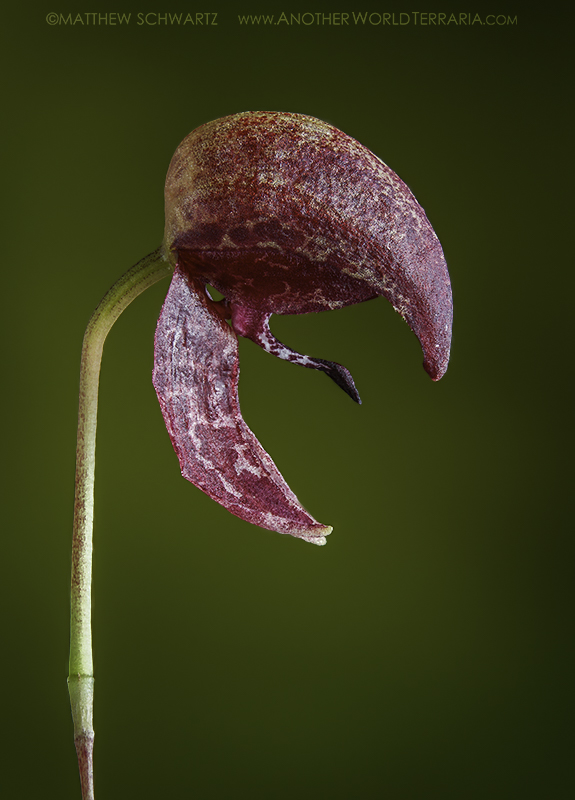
pixel 427 650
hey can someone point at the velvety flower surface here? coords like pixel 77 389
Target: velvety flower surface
pixel 285 214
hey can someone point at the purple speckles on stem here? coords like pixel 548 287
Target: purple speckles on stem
pixel 283 214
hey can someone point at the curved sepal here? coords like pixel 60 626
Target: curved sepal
pixel 196 373
pixel 287 214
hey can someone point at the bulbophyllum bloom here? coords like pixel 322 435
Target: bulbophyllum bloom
pixel 282 214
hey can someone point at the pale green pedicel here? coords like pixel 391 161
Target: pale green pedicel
pixel 81 676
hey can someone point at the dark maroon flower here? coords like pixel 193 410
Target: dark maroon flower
pixel 282 214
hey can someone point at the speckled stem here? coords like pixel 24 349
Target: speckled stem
pixel 81 679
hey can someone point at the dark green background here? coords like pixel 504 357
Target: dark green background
pixel 427 650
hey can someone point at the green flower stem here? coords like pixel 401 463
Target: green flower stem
pixel 81 678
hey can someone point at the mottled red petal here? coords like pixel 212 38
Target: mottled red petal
pixel 196 372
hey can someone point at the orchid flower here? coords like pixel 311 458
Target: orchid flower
pixel 282 214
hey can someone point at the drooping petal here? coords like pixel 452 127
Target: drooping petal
pixel 196 372
pixel 254 325
pixel 287 214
